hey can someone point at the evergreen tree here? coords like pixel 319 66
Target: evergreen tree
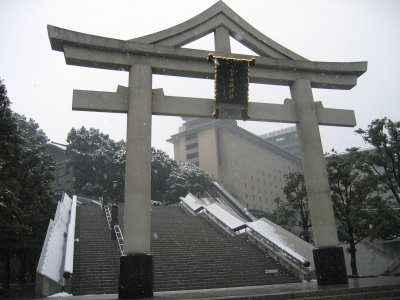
pixel 384 136
pixel 10 144
pixel 25 195
pixel 161 168
pixel 297 202
pixel 355 196
pixel 35 195
pixel 187 178
pixel 282 215
pixel 97 161
pixel 98 164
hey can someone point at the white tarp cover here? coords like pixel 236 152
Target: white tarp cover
pixel 224 216
pixel 285 240
pixel 69 251
pixel 53 250
pixel 193 202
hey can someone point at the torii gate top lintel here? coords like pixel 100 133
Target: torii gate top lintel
pixel 162 51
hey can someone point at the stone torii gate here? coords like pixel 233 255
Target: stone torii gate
pixel 161 53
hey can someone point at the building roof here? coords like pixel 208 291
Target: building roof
pixel 58 145
pixel 278 132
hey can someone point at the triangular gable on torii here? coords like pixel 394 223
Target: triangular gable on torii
pixel 217 18
pixel 275 65
pixel 162 51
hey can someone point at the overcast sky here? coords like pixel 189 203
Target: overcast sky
pixel 40 84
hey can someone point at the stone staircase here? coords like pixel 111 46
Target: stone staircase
pixel 189 253
pixel 96 256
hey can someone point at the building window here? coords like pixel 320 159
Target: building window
pixel 192 155
pixel 192 146
pixel 191 136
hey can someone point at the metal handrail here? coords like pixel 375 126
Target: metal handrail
pixel 221 223
pixel 395 264
pixel 108 215
pixel 301 266
pixel 120 238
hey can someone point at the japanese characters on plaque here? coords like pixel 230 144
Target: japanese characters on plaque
pixel 231 84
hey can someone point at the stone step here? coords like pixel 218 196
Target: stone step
pixel 208 268
pixel 356 294
pixel 207 255
pixel 188 251
pixel 216 284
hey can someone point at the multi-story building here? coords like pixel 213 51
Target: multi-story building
pixel 286 138
pixel 250 167
pixel 63 172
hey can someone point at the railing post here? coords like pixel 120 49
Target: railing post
pixel 104 201
pixel 114 220
pixel 101 205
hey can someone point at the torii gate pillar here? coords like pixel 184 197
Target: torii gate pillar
pixel 328 256
pixel 314 168
pixel 136 266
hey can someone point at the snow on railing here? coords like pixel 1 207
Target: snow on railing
pixel 51 259
pixel 224 218
pixel 120 238
pixel 69 251
pixel 281 241
pixel 193 204
pixel 108 215
pixel 84 199
pixel 236 205
pixel 284 245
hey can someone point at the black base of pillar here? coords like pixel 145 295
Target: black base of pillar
pixel 136 276
pixel 330 266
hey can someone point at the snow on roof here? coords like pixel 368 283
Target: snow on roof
pixel 285 240
pixel 61 294
pixel 224 216
pixel 60 146
pixel 193 202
